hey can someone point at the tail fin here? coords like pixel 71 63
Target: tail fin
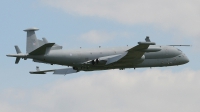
pixel 31 42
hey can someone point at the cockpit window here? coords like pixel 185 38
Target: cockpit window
pixel 179 50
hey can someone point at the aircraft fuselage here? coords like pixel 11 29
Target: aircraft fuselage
pixel 167 56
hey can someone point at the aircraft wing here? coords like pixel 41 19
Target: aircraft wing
pixel 135 53
pixel 115 58
pixel 131 54
pixel 56 71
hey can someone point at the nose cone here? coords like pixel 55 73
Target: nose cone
pixel 184 59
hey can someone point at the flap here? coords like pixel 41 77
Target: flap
pixel 65 71
pixel 108 59
pixel 115 59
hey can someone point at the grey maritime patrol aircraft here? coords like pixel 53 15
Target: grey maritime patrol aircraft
pixel 145 54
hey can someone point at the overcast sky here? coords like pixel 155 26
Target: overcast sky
pixel 106 23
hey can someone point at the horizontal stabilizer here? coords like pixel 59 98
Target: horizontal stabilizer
pixel 17 55
pixel 41 50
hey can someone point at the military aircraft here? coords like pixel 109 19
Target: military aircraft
pixel 145 54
